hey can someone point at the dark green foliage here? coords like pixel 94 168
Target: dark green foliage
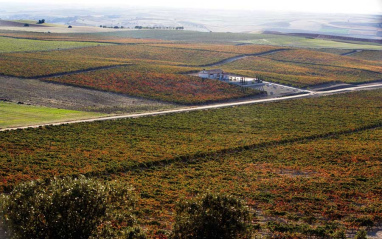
pixel 361 234
pixel 340 234
pixel 213 216
pixel 62 208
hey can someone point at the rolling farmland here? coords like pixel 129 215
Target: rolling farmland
pixel 307 167
pixel 276 156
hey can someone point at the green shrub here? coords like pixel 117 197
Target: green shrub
pixel 61 208
pixel 361 234
pixel 212 216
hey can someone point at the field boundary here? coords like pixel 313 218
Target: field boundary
pixel 70 72
pixel 215 155
pixel 317 64
pixel 235 58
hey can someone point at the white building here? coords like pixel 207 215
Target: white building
pixel 216 74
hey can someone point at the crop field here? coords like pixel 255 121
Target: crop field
pixel 311 161
pixel 368 55
pixel 45 63
pixel 161 54
pixel 115 145
pixel 176 88
pixel 78 37
pixel 240 49
pixel 296 189
pixel 298 73
pixel 15 115
pixel 302 42
pixel 18 45
pixel 326 59
pixel 38 64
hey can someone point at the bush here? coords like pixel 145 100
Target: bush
pixel 212 216
pixel 59 208
pixel 361 234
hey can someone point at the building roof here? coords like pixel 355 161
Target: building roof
pixel 215 71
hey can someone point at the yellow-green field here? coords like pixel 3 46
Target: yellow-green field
pixel 14 115
pixel 19 45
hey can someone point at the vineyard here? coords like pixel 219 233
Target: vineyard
pixel 311 161
pixel 325 59
pixel 181 89
pixel 298 73
pixel 368 55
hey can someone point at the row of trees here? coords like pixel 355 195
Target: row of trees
pixel 160 28
pixel 142 27
pixel 85 208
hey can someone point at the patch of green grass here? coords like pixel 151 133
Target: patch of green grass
pixel 20 45
pixel 13 115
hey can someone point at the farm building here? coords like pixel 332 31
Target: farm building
pixel 213 74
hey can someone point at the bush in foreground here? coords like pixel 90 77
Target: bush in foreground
pixel 63 208
pixel 212 216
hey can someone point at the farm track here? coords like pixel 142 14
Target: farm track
pixel 350 52
pixel 211 106
pixel 235 58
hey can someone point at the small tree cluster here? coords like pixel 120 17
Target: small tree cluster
pixel 212 216
pixel 67 208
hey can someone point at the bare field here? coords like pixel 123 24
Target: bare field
pixel 40 93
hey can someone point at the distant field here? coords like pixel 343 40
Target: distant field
pixel 302 42
pixel 368 55
pixel 13 115
pixel 304 68
pixel 168 87
pixel 222 37
pixel 296 74
pixel 309 57
pixel 46 63
pixel 15 45
pixel 77 37
pixel 240 49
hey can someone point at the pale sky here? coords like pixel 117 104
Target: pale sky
pixel 330 6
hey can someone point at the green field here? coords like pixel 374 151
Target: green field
pixel 15 115
pixel 19 45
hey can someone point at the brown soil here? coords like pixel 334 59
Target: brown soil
pixel 35 92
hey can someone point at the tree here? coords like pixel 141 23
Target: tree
pixel 212 216
pixel 41 21
pixel 361 234
pixel 63 208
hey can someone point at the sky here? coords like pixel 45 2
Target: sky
pixel 329 6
